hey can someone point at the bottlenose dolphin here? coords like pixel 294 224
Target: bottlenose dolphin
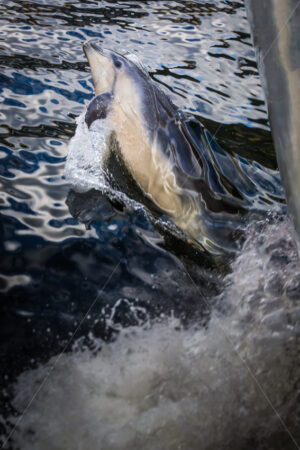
pixel 174 161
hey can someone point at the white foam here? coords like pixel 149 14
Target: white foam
pixel 84 165
pixel 160 388
pixel 85 168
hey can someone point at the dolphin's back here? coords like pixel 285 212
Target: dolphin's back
pixel 201 166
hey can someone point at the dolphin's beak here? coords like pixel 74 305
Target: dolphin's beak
pixel 101 65
pixel 90 47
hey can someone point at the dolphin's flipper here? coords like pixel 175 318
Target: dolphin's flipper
pixel 98 108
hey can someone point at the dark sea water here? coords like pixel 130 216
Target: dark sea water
pixel 76 271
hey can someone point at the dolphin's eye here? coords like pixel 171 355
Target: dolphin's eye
pixel 117 63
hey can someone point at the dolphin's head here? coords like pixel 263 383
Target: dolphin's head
pixel 104 66
pixel 127 82
pixel 110 70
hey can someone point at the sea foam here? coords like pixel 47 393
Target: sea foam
pixel 86 150
pixel 233 384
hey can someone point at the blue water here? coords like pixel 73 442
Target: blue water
pixel 53 263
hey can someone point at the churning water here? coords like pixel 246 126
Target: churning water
pixel 162 386
pixel 170 353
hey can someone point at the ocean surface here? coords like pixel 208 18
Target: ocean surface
pixel 111 336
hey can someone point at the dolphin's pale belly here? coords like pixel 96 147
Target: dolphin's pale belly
pixel 153 171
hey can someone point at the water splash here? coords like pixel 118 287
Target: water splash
pixel 161 386
pixel 86 152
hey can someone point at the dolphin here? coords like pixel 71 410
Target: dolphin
pixel 174 161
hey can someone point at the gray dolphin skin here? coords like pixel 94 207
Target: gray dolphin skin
pixel 174 161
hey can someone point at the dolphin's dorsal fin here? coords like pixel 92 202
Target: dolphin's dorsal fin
pixel 98 108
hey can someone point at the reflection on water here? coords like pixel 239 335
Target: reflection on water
pixel 54 264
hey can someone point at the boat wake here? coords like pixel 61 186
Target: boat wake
pixel 231 384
